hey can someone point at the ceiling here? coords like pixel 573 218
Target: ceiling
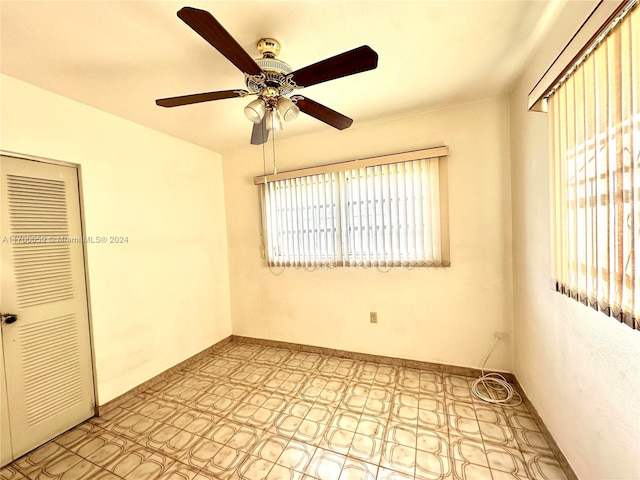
pixel 119 56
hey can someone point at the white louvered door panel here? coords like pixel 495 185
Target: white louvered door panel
pixel 47 355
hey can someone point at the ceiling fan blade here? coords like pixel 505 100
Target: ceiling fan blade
pixel 259 134
pixel 199 97
pixel 213 32
pixel 348 63
pixel 322 113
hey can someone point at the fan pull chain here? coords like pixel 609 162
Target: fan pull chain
pixel 273 145
pixel 264 156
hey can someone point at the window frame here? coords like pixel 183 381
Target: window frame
pixel 340 169
pixel 590 125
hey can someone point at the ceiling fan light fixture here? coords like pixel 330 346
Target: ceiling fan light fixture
pixel 271 79
pixel 255 110
pixel 287 109
pixel 273 120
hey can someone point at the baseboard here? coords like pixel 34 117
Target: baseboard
pixel 120 399
pixel 562 460
pixel 367 357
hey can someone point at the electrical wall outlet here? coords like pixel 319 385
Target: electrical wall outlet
pixel 501 336
pixel 373 317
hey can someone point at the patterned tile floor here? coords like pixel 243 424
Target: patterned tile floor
pixel 255 412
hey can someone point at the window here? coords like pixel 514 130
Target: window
pixel 376 212
pixel 594 117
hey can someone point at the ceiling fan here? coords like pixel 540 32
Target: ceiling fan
pixel 271 79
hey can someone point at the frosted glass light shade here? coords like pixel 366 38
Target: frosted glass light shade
pixel 273 120
pixel 255 110
pixel 287 109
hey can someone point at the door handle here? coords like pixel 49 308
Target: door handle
pixel 9 318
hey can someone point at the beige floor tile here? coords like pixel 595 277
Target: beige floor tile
pixel 286 425
pixel 278 472
pixel 402 434
pixel 398 457
pixel 491 414
pixel 320 413
pixel 468 450
pixel 103 449
pixel 277 402
pixel 298 407
pixel 455 408
pixel 229 390
pixel 367 448
pixel 179 471
pixel 337 440
pixel 431 466
pixel 505 459
pixel 354 403
pixel 11 473
pixel 194 421
pixel 358 470
pixel 531 441
pixel 134 426
pixel 374 406
pixel 270 447
pixel 37 459
pixel 310 432
pixel 465 427
pixel 499 475
pixel 326 465
pixel 225 462
pixel 200 453
pixel 214 404
pixel 388 474
pixel 432 441
pixel 371 426
pixel 498 434
pixel 68 466
pixel 543 467
pixel 469 471
pixel 139 463
pixel 255 412
pixel 245 438
pixel 346 420
pixel 80 434
pixel 296 456
pixel 254 468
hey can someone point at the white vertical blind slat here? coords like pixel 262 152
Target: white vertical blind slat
pixel 411 214
pixel 634 61
pixel 378 216
pixel 322 235
pixel 434 211
pixel 343 195
pixel 419 202
pixel 335 225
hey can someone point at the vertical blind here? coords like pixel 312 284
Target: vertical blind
pixel 385 216
pixel 595 136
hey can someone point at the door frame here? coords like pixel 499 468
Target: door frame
pixel 78 168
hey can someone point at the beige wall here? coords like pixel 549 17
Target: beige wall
pixel 446 315
pixel 580 369
pixel 164 296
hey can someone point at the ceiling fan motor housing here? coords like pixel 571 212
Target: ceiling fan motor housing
pixel 275 71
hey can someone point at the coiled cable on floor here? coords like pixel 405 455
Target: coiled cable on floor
pixel 496 388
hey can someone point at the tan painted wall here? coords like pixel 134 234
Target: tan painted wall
pixel 446 315
pixel 580 368
pixel 163 296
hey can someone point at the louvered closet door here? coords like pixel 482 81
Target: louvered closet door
pixel 47 355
